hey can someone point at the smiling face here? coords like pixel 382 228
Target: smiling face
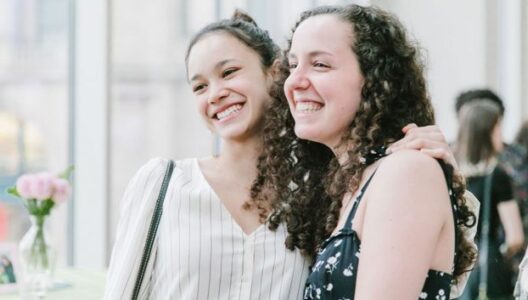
pixel 230 85
pixel 324 86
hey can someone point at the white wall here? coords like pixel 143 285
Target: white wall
pixel 509 63
pixel 470 44
pixel 453 35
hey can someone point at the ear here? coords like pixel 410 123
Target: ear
pixel 275 70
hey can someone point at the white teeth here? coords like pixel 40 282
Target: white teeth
pixel 227 112
pixel 307 107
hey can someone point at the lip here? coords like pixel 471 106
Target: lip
pixel 223 108
pixel 301 100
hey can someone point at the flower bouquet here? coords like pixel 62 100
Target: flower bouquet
pixel 39 193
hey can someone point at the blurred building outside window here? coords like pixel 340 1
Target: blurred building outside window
pixel 33 105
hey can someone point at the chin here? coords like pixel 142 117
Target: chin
pixel 306 134
pixel 314 135
pixel 234 133
pixel 229 134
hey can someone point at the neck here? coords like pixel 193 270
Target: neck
pixel 341 152
pixel 240 157
pixel 339 148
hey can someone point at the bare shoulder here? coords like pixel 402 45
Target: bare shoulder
pixel 408 165
pixel 406 210
pixel 410 176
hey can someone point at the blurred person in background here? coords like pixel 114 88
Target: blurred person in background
pixel 512 157
pixel 500 233
pixel 521 191
pixel 517 168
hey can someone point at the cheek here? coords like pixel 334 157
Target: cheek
pixel 286 85
pixel 345 106
pixel 258 94
pixel 245 86
pixel 201 105
pixel 287 89
pixel 497 139
pixel 349 97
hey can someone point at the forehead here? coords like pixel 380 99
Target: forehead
pixel 322 32
pixel 216 47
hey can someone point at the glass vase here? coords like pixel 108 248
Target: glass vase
pixel 37 259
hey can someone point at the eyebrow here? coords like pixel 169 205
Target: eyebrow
pixel 219 65
pixel 311 54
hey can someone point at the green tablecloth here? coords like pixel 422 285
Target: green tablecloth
pixel 73 284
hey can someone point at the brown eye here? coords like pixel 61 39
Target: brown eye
pixel 198 88
pixel 320 65
pixel 228 72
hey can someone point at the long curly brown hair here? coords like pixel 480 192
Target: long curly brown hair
pixel 307 177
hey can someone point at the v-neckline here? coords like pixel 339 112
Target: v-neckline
pixel 223 206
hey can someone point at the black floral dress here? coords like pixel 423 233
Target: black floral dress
pixel 333 275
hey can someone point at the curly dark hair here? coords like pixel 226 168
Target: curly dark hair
pixel 394 94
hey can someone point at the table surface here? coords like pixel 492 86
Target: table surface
pixel 73 284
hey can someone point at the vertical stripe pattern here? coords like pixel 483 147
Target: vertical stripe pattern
pixel 201 252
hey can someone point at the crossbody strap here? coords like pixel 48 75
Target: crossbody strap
pixel 153 229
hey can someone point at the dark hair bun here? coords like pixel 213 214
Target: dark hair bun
pixel 240 15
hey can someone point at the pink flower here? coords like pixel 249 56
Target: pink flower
pixel 42 186
pixel 61 190
pixel 24 186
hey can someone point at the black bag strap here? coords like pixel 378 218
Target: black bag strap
pixel 153 229
pixel 485 236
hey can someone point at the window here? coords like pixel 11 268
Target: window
pixel 34 109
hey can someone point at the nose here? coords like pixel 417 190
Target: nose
pixel 297 79
pixel 217 92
